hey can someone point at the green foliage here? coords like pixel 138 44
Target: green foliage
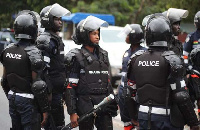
pixel 125 11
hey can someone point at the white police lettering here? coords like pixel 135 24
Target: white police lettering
pixel 98 72
pixel 148 63
pixel 13 56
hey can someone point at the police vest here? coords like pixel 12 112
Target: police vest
pixel 18 69
pixel 176 47
pixel 57 58
pixel 94 73
pixel 195 39
pixel 151 72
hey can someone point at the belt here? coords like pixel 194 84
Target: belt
pixel 26 95
pixel 155 110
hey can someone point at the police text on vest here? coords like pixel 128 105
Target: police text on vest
pixel 13 56
pixel 148 63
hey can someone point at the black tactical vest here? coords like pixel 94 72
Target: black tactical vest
pixel 93 74
pixel 57 58
pixel 18 69
pixel 151 72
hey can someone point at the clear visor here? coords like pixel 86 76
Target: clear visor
pixel 173 12
pixel 92 23
pixel 126 30
pixel 58 11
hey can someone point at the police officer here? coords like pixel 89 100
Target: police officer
pixel 53 50
pixel 134 37
pixel 157 78
pixel 89 78
pixel 191 50
pixel 21 81
pixel 175 16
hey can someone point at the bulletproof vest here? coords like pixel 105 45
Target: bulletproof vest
pixel 196 39
pixel 18 69
pixel 57 57
pixel 151 72
pixel 176 47
pixel 93 74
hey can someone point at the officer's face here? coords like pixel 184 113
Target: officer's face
pixel 94 36
pixel 127 39
pixel 176 28
pixel 58 23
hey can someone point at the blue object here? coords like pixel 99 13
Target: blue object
pixel 77 17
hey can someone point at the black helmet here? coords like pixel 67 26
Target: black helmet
pixel 136 35
pixel 158 31
pixel 86 26
pixel 197 20
pixel 49 12
pixel 134 32
pixel 76 37
pixel 194 57
pixel 25 26
pixel 175 15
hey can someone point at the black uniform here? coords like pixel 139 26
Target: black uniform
pixel 54 74
pixel 89 85
pixel 53 50
pixel 156 77
pixel 23 63
pixel 88 80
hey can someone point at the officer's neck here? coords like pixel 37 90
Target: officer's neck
pixel 134 47
pixel 90 48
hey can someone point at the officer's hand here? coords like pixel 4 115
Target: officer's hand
pixel 111 109
pixel 74 120
pixel 135 123
pixel 44 121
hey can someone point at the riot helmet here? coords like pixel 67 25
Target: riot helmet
pixel 76 37
pixel 25 26
pixel 86 26
pixel 175 15
pixel 197 20
pixel 134 32
pixel 49 12
pixel 158 31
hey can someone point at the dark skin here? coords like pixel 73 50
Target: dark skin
pixel 176 28
pixel 94 38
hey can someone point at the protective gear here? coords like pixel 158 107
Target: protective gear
pixel 4 84
pixel 83 29
pixel 197 20
pixel 49 12
pixel 25 26
pixel 39 88
pixel 159 35
pixel 182 99
pixel 135 33
pixel 194 56
pixel 175 15
pixel 177 67
pixel 111 109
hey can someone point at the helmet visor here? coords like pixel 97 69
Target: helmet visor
pixel 176 15
pixel 126 30
pixel 58 11
pixel 92 23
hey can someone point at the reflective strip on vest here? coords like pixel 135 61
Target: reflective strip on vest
pixel 155 110
pixel 26 95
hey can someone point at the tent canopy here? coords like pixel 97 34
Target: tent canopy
pixel 77 17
